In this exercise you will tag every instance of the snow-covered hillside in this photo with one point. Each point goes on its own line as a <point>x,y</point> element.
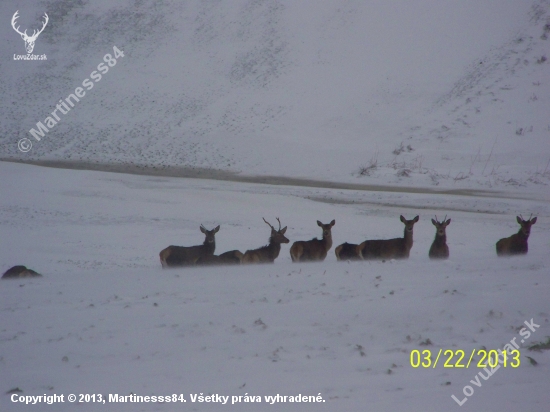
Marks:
<point>427,93</point>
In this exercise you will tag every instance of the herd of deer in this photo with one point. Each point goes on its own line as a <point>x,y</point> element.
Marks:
<point>316,250</point>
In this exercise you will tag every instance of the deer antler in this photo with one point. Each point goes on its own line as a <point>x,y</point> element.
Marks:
<point>437,221</point>
<point>13,19</point>
<point>34,34</point>
<point>24,34</point>
<point>272,228</point>
<point>279,224</point>
<point>445,218</point>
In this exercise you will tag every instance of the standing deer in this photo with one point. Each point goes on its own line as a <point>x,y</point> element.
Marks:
<point>398,248</point>
<point>187,256</point>
<point>314,249</point>
<point>269,253</point>
<point>439,248</point>
<point>29,40</point>
<point>347,251</point>
<point>516,244</point>
<point>233,257</point>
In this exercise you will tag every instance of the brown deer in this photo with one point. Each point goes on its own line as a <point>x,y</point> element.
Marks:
<point>516,244</point>
<point>187,256</point>
<point>269,253</point>
<point>398,248</point>
<point>439,248</point>
<point>347,251</point>
<point>314,249</point>
<point>233,257</point>
<point>20,271</point>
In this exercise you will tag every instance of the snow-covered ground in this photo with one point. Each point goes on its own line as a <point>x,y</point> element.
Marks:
<point>353,110</point>
<point>106,319</point>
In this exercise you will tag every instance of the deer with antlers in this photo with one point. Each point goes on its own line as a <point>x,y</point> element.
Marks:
<point>398,248</point>
<point>439,248</point>
<point>314,249</point>
<point>517,243</point>
<point>269,253</point>
<point>29,40</point>
<point>186,256</point>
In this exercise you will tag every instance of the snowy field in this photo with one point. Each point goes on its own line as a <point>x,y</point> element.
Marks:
<point>106,319</point>
<point>227,112</point>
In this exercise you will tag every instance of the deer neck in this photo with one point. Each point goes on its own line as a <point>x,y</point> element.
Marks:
<point>209,247</point>
<point>408,237</point>
<point>522,235</point>
<point>439,239</point>
<point>327,241</point>
<point>274,248</point>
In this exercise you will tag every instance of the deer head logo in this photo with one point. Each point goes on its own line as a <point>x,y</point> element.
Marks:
<point>29,40</point>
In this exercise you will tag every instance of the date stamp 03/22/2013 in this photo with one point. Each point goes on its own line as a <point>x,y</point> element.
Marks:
<point>456,358</point>
<point>508,356</point>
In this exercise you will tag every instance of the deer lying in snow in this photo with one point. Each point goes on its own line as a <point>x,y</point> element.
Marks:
<point>347,251</point>
<point>398,248</point>
<point>516,244</point>
<point>314,249</point>
<point>269,253</point>
<point>439,248</point>
<point>233,257</point>
<point>20,271</point>
<point>186,256</point>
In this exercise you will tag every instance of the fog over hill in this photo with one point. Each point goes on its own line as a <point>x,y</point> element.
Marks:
<point>432,93</point>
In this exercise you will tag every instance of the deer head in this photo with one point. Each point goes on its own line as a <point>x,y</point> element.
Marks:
<point>278,236</point>
<point>29,40</point>
<point>210,234</point>
<point>526,224</point>
<point>326,228</point>
<point>440,226</point>
<point>408,223</point>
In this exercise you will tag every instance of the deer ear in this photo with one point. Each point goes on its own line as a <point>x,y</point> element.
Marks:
<point>333,222</point>
<point>519,219</point>
<point>402,218</point>
<point>447,222</point>
<point>433,223</point>
<point>416,219</point>
<point>203,230</point>
<point>216,229</point>
<point>534,220</point>
<point>319,223</point>
<point>283,230</point>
